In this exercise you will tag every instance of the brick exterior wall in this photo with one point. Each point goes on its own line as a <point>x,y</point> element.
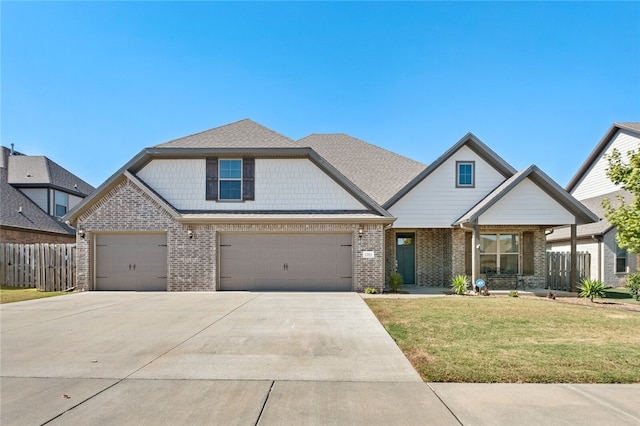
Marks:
<point>434,255</point>
<point>17,236</point>
<point>193,262</point>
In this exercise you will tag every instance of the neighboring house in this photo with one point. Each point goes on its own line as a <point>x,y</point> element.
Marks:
<point>590,185</point>
<point>36,193</point>
<point>241,207</point>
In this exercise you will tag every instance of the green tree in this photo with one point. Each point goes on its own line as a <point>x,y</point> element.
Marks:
<point>626,216</point>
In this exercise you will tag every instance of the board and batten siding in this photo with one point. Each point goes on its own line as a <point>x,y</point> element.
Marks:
<point>436,202</point>
<point>526,204</point>
<point>595,182</point>
<point>280,184</point>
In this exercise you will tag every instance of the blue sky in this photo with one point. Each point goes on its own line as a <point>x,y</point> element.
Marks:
<point>90,84</point>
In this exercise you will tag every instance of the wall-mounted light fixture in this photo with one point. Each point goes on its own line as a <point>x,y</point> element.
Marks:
<point>81,232</point>
<point>360,231</point>
<point>190,232</point>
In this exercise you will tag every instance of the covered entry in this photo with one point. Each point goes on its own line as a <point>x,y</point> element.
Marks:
<point>286,262</point>
<point>133,262</point>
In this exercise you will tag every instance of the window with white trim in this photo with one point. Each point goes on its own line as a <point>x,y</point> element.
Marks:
<point>465,174</point>
<point>621,260</point>
<point>230,179</point>
<point>499,253</point>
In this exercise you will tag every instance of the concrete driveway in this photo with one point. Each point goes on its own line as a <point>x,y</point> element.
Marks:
<point>206,358</point>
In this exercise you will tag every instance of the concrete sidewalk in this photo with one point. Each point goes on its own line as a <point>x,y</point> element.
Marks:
<point>247,359</point>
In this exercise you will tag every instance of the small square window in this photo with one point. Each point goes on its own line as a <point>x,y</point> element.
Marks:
<point>465,174</point>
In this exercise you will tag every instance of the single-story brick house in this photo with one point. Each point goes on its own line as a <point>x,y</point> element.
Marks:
<point>241,207</point>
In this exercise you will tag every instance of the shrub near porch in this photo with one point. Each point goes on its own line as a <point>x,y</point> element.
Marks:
<point>512,340</point>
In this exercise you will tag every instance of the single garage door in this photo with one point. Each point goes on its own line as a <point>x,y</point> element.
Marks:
<point>133,262</point>
<point>285,262</point>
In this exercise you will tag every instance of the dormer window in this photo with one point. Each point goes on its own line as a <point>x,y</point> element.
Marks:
<point>465,174</point>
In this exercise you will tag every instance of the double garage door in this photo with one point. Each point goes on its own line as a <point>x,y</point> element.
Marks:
<point>254,262</point>
<point>286,262</point>
<point>134,262</point>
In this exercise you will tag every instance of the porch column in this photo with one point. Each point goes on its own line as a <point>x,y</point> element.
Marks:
<point>475,254</point>
<point>573,276</point>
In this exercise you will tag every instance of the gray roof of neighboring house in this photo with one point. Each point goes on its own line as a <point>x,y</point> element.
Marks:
<point>600,148</point>
<point>18,211</point>
<point>544,182</point>
<point>378,172</point>
<point>241,134</point>
<point>39,171</point>
<point>598,228</point>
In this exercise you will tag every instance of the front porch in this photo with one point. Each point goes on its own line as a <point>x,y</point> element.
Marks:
<point>510,256</point>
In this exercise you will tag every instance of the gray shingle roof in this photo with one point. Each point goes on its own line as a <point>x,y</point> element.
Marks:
<point>31,170</point>
<point>241,134</point>
<point>18,211</point>
<point>378,172</point>
<point>598,228</point>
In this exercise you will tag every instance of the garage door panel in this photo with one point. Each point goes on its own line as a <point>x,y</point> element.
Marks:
<point>133,262</point>
<point>290,262</point>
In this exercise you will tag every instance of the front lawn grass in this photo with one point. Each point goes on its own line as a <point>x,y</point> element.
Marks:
<point>513,340</point>
<point>18,294</point>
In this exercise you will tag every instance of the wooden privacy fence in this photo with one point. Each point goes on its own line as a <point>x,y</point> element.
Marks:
<point>559,269</point>
<point>47,267</point>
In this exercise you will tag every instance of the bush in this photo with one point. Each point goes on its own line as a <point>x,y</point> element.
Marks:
<point>370,290</point>
<point>395,282</point>
<point>459,284</point>
<point>633,284</point>
<point>591,288</point>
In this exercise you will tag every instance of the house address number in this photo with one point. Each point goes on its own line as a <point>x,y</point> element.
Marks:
<point>368,254</point>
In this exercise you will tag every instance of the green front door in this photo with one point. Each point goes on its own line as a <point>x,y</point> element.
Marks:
<point>406,257</point>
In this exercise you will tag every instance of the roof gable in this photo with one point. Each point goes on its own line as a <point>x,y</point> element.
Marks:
<point>599,150</point>
<point>473,143</point>
<point>534,175</point>
<point>378,172</point>
<point>240,139</point>
<point>241,134</point>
